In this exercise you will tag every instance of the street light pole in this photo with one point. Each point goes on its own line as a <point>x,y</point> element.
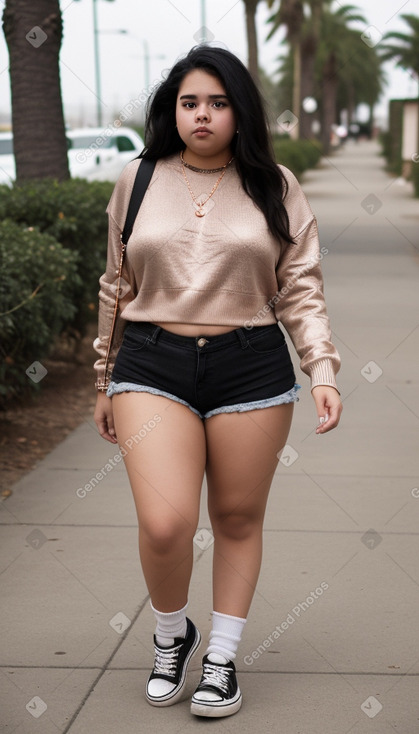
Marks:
<point>146,64</point>
<point>203,22</point>
<point>97,66</point>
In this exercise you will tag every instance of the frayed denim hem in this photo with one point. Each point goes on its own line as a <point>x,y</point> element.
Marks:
<point>118,387</point>
<point>287,397</point>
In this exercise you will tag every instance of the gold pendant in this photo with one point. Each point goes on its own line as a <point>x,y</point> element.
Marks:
<point>199,213</point>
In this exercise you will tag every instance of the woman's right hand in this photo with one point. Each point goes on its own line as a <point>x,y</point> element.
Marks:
<point>103,416</point>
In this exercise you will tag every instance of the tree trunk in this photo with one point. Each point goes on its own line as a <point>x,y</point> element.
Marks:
<point>296,92</point>
<point>252,43</point>
<point>308,65</point>
<point>330,86</point>
<point>371,122</point>
<point>308,62</point>
<point>350,105</point>
<point>33,32</point>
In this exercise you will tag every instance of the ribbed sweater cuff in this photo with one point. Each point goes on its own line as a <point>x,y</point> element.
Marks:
<point>322,373</point>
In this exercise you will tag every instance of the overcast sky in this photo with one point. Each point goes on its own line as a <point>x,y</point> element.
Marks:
<point>170,28</point>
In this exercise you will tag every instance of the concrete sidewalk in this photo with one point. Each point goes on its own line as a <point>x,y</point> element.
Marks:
<point>331,641</point>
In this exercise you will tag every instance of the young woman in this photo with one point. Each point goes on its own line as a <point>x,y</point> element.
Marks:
<point>224,246</point>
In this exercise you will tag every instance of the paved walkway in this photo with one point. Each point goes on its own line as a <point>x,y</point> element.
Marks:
<point>331,641</point>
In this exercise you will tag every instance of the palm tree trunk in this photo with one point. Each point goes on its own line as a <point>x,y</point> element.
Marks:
<point>350,101</point>
<point>308,63</point>
<point>296,93</point>
<point>252,43</point>
<point>371,123</point>
<point>329,96</point>
<point>33,32</point>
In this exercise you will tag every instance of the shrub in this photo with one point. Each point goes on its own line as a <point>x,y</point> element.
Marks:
<point>392,140</point>
<point>38,281</point>
<point>297,155</point>
<point>385,142</point>
<point>415,177</point>
<point>312,150</point>
<point>73,213</point>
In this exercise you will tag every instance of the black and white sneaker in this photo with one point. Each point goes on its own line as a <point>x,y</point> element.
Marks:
<point>168,677</point>
<point>218,693</point>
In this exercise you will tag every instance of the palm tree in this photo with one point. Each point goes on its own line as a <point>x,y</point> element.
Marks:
<point>346,71</point>
<point>33,32</point>
<point>252,43</point>
<point>361,77</point>
<point>332,58</point>
<point>291,15</point>
<point>303,20</point>
<point>406,52</point>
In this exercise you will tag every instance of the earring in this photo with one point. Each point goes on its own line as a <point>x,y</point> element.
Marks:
<point>237,132</point>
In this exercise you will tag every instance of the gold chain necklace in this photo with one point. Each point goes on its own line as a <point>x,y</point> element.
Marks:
<point>201,204</point>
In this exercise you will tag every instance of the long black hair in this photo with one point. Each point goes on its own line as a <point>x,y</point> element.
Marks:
<point>260,176</point>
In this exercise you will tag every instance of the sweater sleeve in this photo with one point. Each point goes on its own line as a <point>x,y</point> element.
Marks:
<point>116,210</point>
<point>300,305</point>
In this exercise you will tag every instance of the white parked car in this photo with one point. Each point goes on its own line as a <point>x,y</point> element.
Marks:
<point>100,154</point>
<point>95,154</point>
<point>7,159</point>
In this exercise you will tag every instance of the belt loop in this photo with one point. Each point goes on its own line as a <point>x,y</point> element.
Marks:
<point>242,338</point>
<point>155,334</point>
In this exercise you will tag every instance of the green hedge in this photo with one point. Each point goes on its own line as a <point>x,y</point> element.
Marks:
<point>385,142</point>
<point>73,212</point>
<point>38,283</point>
<point>415,178</point>
<point>392,139</point>
<point>297,155</point>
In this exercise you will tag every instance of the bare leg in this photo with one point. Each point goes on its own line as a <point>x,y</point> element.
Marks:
<point>242,456</point>
<point>165,470</point>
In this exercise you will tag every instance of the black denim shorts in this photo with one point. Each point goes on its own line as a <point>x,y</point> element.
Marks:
<point>240,370</point>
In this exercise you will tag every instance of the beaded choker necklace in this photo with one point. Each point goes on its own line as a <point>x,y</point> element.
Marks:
<point>203,170</point>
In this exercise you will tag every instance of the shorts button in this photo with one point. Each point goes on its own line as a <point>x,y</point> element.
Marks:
<point>202,342</point>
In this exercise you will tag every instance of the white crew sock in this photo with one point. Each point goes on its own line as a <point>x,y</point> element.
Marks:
<point>169,626</point>
<point>225,636</point>
<point>223,643</point>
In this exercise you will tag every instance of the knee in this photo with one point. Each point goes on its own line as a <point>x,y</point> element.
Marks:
<point>237,526</point>
<point>166,536</point>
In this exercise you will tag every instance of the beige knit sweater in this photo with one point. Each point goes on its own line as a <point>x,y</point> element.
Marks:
<point>222,269</point>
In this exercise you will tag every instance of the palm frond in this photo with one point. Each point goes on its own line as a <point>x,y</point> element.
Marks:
<point>403,48</point>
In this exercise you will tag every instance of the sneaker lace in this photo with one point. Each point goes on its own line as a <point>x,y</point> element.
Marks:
<point>165,662</point>
<point>214,675</point>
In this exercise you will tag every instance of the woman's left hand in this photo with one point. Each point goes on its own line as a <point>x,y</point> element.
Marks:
<point>328,406</point>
